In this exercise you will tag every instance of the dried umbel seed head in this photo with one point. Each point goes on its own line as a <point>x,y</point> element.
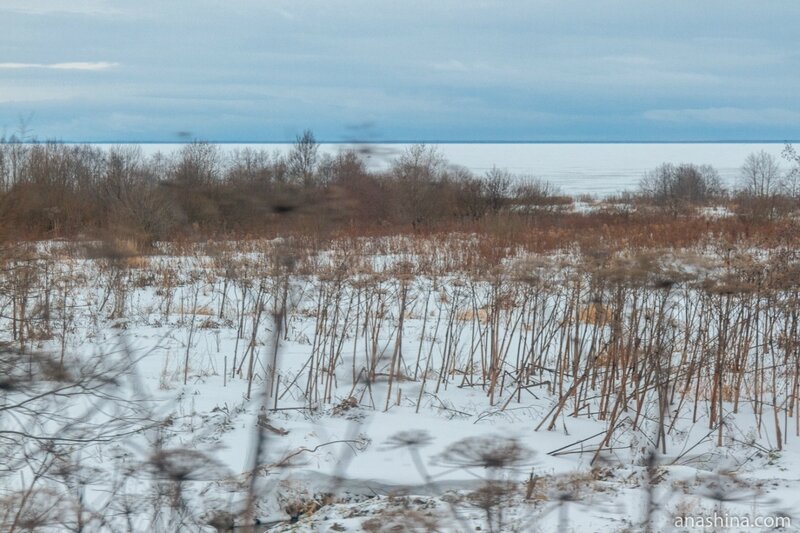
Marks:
<point>492,453</point>
<point>408,439</point>
<point>492,494</point>
<point>185,465</point>
<point>18,372</point>
<point>725,489</point>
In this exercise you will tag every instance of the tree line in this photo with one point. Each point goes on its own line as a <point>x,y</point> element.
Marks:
<point>52,189</point>
<point>55,190</point>
<point>764,188</point>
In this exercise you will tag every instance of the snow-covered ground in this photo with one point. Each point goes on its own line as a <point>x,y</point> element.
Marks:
<point>349,444</point>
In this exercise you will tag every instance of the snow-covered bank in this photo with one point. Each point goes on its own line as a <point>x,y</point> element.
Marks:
<point>555,393</point>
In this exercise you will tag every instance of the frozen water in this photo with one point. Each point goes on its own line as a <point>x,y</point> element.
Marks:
<point>576,168</point>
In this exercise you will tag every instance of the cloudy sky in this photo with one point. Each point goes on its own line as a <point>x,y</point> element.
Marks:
<point>370,70</point>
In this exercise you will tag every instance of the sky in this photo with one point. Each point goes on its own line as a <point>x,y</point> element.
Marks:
<point>414,71</point>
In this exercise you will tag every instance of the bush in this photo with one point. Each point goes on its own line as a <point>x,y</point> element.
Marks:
<point>677,186</point>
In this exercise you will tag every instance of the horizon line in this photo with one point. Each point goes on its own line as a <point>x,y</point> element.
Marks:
<point>423,141</point>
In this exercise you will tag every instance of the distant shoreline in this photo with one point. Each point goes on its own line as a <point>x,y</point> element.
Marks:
<point>428,142</point>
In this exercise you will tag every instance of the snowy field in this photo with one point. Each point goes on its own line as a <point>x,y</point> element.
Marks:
<point>591,168</point>
<point>389,391</point>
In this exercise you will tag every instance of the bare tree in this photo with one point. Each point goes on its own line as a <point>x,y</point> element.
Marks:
<point>791,182</point>
<point>134,203</point>
<point>761,174</point>
<point>199,163</point>
<point>675,186</point>
<point>195,177</point>
<point>416,174</point>
<point>531,191</point>
<point>303,158</point>
<point>497,187</point>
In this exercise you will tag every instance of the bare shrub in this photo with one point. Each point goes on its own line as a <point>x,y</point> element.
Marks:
<point>678,186</point>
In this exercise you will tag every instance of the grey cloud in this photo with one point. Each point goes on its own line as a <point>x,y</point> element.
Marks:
<point>726,115</point>
<point>465,69</point>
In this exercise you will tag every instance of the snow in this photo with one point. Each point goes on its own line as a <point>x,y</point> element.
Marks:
<point>350,447</point>
<point>576,168</point>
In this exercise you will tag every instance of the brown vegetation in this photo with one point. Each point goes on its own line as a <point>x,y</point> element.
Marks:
<point>53,190</point>
<point>654,315</point>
